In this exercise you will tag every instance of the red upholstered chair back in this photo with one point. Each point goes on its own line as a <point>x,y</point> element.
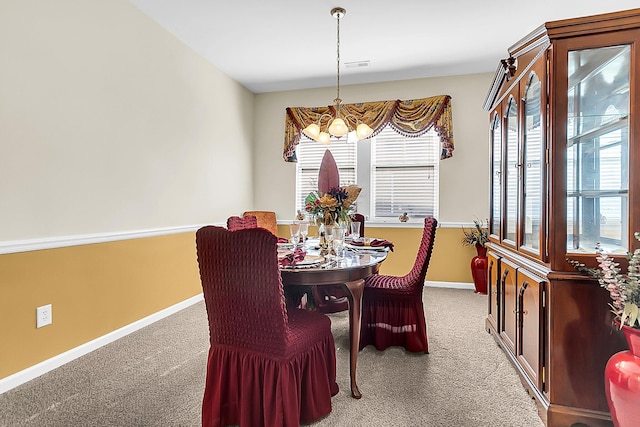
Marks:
<point>418,273</point>
<point>241,223</point>
<point>242,288</point>
<point>356,217</point>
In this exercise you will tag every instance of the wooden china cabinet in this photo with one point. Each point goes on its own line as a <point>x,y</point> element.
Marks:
<point>565,143</point>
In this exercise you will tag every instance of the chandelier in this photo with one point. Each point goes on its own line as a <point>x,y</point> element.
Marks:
<point>337,126</point>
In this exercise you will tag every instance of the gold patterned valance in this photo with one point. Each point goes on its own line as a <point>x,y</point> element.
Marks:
<point>410,118</point>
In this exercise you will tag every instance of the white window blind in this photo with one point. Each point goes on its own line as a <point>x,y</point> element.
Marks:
<point>404,175</point>
<point>310,153</point>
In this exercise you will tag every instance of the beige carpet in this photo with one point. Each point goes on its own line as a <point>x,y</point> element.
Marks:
<point>155,377</point>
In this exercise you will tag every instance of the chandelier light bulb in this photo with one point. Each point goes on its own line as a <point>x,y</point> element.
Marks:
<point>363,131</point>
<point>338,127</point>
<point>324,138</point>
<point>312,131</point>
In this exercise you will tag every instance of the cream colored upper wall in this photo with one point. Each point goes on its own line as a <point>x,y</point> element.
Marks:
<point>464,179</point>
<point>109,123</point>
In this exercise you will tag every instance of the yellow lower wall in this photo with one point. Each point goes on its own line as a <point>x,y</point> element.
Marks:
<point>94,289</point>
<point>98,288</point>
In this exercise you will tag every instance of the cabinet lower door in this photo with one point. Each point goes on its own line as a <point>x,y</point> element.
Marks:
<point>508,328</point>
<point>530,316</point>
<point>493,290</point>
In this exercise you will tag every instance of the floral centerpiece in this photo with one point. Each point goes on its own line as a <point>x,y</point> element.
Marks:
<point>331,203</point>
<point>333,206</point>
<point>624,289</point>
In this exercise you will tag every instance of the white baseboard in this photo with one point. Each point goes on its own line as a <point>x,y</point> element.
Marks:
<point>45,366</point>
<point>454,285</point>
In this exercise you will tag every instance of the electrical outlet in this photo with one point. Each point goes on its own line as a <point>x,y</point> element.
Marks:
<point>43,316</point>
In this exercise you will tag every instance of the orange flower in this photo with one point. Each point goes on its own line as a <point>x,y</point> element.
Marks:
<point>327,201</point>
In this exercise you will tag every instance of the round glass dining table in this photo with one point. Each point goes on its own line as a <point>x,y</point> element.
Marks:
<point>350,269</point>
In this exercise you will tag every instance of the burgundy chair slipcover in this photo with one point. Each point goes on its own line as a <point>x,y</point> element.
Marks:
<point>240,223</point>
<point>267,366</point>
<point>333,299</point>
<point>392,308</point>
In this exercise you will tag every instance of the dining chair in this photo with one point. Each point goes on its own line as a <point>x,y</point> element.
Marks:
<point>267,364</point>
<point>266,219</point>
<point>240,223</point>
<point>392,308</point>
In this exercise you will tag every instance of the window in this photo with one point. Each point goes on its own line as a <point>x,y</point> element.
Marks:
<point>397,174</point>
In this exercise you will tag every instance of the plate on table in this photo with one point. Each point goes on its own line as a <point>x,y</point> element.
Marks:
<point>283,251</point>
<point>310,260</point>
<point>365,246</point>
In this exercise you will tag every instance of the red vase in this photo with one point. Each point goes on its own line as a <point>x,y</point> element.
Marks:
<point>479,270</point>
<point>622,382</point>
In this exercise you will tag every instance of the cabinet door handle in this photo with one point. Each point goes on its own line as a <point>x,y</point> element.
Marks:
<point>519,302</point>
<point>494,286</point>
<point>504,276</point>
<point>503,279</point>
<point>523,288</point>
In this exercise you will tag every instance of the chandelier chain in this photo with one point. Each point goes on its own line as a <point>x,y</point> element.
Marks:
<point>338,100</point>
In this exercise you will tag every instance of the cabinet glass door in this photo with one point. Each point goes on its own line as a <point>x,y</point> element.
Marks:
<point>496,176</point>
<point>532,165</point>
<point>512,170</point>
<point>598,149</point>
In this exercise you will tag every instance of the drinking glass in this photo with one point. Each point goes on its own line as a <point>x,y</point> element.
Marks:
<point>328,235</point>
<point>294,228</point>
<point>338,241</point>
<point>355,230</point>
<point>304,231</point>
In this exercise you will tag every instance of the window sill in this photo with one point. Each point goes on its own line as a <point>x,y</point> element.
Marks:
<point>414,224</point>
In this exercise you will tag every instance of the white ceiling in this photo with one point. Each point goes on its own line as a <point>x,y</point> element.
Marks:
<point>276,45</point>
